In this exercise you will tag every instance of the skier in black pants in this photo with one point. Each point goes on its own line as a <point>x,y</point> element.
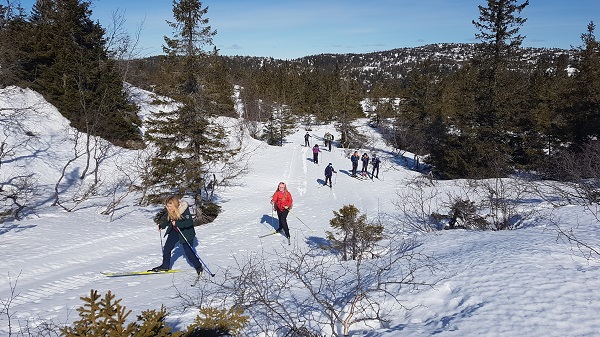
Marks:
<point>329,171</point>
<point>316,151</point>
<point>375,162</point>
<point>306,142</point>
<point>365,164</point>
<point>354,159</point>
<point>180,229</point>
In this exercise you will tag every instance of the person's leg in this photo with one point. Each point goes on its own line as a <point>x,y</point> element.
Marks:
<point>283,222</point>
<point>170,243</point>
<point>279,217</point>
<point>191,256</point>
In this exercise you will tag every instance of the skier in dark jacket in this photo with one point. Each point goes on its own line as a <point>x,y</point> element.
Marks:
<point>306,142</point>
<point>375,162</point>
<point>365,164</point>
<point>180,228</point>
<point>354,159</point>
<point>329,171</point>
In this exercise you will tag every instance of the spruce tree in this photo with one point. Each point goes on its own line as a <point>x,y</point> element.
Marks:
<point>583,104</point>
<point>13,29</point>
<point>480,143</point>
<point>353,235</point>
<point>188,141</point>
<point>67,61</point>
<point>496,100</point>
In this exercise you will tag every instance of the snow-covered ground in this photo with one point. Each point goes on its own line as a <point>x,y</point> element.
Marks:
<point>525,282</point>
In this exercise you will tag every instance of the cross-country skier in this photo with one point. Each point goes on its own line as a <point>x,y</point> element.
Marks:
<point>365,164</point>
<point>282,202</point>
<point>375,162</point>
<point>329,171</point>
<point>180,228</point>
<point>354,159</point>
<point>316,151</point>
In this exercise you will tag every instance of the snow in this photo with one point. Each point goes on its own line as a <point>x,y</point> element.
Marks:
<point>524,282</point>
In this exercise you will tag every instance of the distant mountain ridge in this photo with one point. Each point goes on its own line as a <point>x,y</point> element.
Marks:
<point>387,64</point>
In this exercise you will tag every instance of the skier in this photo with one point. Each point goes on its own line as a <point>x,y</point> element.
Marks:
<point>329,141</point>
<point>375,162</point>
<point>365,164</point>
<point>282,202</point>
<point>306,142</point>
<point>316,151</point>
<point>354,159</point>
<point>329,171</point>
<point>180,228</point>
<point>326,138</point>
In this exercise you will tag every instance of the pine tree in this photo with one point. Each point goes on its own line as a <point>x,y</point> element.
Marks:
<point>13,29</point>
<point>496,89</point>
<point>583,105</point>
<point>189,144</point>
<point>67,61</point>
<point>497,103</point>
<point>353,236</point>
<point>216,322</point>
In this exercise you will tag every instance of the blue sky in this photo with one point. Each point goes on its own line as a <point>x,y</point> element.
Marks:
<point>288,29</point>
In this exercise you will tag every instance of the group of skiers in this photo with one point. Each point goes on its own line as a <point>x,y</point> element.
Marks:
<point>177,219</point>
<point>327,138</point>
<point>355,159</point>
<point>375,161</point>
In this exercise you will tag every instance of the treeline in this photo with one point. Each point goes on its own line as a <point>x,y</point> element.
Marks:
<point>471,110</point>
<point>61,53</point>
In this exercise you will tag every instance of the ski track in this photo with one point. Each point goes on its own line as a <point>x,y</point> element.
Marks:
<point>135,247</point>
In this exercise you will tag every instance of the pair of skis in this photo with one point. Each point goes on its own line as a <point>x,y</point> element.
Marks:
<point>150,272</point>
<point>273,233</point>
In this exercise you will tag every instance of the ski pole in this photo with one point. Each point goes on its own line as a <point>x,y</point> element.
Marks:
<point>294,214</point>
<point>192,248</point>
<point>162,247</point>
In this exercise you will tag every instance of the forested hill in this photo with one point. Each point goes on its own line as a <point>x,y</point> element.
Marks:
<point>386,65</point>
<point>381,67</point>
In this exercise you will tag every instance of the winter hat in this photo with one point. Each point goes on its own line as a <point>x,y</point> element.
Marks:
<point>329,164</point>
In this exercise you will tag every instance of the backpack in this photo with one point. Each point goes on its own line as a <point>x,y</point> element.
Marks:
<point>161,216</point>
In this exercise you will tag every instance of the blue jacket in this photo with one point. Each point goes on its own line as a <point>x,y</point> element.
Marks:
<point>329,170</point>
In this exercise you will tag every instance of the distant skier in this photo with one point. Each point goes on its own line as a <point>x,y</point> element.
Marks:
<point>282,202</point>
<point>180,228</point>
<point>365,164</point>
<point>354,159</point>
<point>329,171</point>
<point>316,151</point>
<point>326,138</point>
<point>329,141</point>
<point>375,162</point>
<point>306,142</point>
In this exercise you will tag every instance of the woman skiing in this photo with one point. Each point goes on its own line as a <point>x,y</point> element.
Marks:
<point>316,151</point>
<point>180,228</point>
<point>365,164</point>
<point>282,202</point>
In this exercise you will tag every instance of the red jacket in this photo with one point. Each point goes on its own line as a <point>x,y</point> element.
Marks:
<point>282,199</point>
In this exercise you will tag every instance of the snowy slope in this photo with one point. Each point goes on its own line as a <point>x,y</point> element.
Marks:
<point>526,282</point>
